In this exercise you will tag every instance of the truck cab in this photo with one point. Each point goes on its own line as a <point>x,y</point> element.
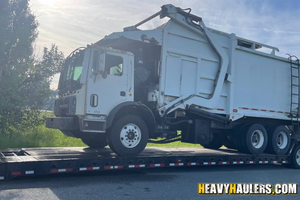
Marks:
<point>94,81</point>
<point>101,88</point>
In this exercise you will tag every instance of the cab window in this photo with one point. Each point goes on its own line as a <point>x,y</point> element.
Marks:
<point>114,65</point>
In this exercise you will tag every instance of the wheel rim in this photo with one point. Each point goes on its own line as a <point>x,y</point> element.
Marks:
<point>257,139</point>
<point>282,140</point>
<point>130,135</point>
<point>298,157</point>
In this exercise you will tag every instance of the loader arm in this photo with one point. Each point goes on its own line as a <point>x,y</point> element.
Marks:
<point>195,24</point>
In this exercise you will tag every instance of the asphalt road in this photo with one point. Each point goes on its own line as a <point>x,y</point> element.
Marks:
<point>163,183</point>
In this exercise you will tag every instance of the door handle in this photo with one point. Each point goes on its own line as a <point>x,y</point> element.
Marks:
<point>123,93</point>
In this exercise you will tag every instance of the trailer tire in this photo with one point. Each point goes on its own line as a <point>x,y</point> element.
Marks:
<point>279,140</point>
<point>131,142</point>
<point>295,156</point>
<point>98,142</point>
<point>255,139</point>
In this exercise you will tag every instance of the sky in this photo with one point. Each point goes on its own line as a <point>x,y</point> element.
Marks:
<point>75,23</point>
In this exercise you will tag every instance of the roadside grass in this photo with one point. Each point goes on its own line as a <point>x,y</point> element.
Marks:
<point>40,136</point>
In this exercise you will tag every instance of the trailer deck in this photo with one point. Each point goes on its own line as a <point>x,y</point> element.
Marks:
<point>41,161</point>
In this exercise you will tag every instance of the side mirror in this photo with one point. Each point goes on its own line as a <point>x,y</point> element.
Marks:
<point>98,62</point>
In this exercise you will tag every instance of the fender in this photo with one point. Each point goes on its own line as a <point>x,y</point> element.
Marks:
<point>131,107</point>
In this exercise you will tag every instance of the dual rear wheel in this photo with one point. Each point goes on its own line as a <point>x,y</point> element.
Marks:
<point>279,140</point>
<point>255,139</point>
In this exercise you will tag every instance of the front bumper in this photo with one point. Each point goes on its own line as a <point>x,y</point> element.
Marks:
<point>62,123</point>
<point>73,123</point>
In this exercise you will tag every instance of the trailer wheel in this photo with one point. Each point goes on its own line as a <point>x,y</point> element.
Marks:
<point>296,157</point>
<point>279,140</point>
<point>98,142</point>
<point>128,136</point>
<point>255,139</point>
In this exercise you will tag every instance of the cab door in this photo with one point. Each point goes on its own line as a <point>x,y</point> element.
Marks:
<point>113,86</point>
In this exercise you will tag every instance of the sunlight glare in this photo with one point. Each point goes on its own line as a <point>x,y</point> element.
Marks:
<point>48,2</point>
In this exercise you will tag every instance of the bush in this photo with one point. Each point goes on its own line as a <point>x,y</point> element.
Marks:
<point>24,135</point>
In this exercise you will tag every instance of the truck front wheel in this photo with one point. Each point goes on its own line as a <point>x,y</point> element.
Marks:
<point>128,136</point>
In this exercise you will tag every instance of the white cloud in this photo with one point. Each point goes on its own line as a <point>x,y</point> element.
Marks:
<point>74,23</point>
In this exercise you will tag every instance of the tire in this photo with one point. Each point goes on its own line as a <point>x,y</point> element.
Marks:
<point>128,136</point>
<point>296,157</point>
<point>236,141</point>
<point>95,142</point>
<point>255,139</point>
<point>241,145</point>
<point>279,140</point>
<point>216,142</point>
<point>109,142</point>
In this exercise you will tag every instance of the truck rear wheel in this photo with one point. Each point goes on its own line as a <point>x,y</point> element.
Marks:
<point>254,139</point>
<point>240,138</point>
<point>128,136</point>
<point>279,140</point>
<point>95,142</point>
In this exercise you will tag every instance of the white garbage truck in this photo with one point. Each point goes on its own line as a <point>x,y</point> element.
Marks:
<point>179,81</point>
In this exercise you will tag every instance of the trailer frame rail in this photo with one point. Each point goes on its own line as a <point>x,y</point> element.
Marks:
<point>42,161</point>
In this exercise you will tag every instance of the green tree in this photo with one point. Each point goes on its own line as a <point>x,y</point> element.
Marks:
<point>24,81</point>
<point>40,74</point>
<point>18,30</point>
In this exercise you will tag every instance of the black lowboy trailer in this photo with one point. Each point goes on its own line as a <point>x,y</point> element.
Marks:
<point>42,161</point>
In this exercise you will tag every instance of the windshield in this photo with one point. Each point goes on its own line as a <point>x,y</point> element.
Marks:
<point>71,73</point>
